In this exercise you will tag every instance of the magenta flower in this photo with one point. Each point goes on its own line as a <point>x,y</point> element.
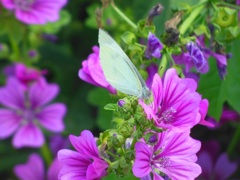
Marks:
<point>86,163</point>
<point>154,46</point>
<point>175,102</point>
<point>173,156</point>
<point>34,169</point>
<point>24,110</point>
<point>203,112</point>
<point>92,72</point>
<point>35,11</point>
<point>23,73</point>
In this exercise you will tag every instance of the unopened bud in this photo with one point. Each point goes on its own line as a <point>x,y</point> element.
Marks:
<point>155,11</point>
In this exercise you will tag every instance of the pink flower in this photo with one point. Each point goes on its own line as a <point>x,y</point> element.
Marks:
<point>175,102</point>
<point>203,111</point>
<point>35,11</point>
<point>173,156</point>
<point>26,109</point>
<point>92,72</point>
<point>86,163</point>
<point>23,73</point>
<point>34,169</point>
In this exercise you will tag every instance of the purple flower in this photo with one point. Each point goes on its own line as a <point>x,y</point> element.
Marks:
<point>86,163</point>
<point>121,103</point>
<point>58,142</point>
<point>175,102</point>
<point>35,11</point>
<point>173,157</point>
<point>151,70</point>
<point>184,59</point>
<point>154,47</point>
<point>197,57</point>
<point>92,72</point>
<point>24,74</point>
<point>220,58</point>
<point>26,108</point>
<point>34,169</point>
<point>214,166</point>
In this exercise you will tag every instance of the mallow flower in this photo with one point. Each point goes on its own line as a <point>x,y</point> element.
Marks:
<point>86,162</point>
<point>175,102</point>
<point>25,109</point>
<point>35,11</point>
<point>154,46</point>
<point>172,157</point>
<point>24,74</point>
<point>92,72</point>
<point>34,169</point>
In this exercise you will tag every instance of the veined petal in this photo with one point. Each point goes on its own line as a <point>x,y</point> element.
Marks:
<point>203,112</point>
<point>12,95</point>
<point>42,94</point>
<point>53,170</point>
<point>28,135</point>
<point>157,90</point>
<point>142,164</point>
<point>74,165</point>
<point>97,169</point>
<point>9,122</point>
<point>85,143</point>
<point>51,117</point>
<point>33,169</point>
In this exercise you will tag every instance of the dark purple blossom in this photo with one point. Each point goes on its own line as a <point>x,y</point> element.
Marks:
<point>197,57</point>
<point>154,46</point>
<point>121,103</point>
<point>25,109</point>
<point>86,163</point>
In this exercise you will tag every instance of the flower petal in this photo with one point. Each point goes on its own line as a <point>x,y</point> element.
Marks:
<point>33,169</point>
<point>74,165</point>
<point>51,117</point>
<point>28,135</point>
<point>9,122</point>
<point>53,170</point>
<point>42,94</point>
<point>97,169</point>
<point>85,143</point>
<point>203,111</point>
<point>9,4</point>
<point>224,168</point>
<point>142,166</point>
<point>12,95</point>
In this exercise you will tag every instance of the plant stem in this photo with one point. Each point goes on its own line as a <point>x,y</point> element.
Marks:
<point>163,64</point>
<point>120,13</point>
<point>222,3</point>
<point>46,154</point>
<point>189,20</point>
<point>235,140</point>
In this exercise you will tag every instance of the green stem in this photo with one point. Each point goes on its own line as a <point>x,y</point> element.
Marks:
<point>120,13</point>
<point>235,141</point>
<point>14,46</point>
<point>222,3</point>
<point>163,64</point>
<point>46,154</point>
<point>189,20</point>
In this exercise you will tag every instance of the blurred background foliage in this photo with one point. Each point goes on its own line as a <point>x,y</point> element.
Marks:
<point>77,32</point>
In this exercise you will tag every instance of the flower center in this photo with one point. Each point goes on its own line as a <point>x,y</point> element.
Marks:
<point>167,116</point>
<point>162,162</point>
<point>24,4</point>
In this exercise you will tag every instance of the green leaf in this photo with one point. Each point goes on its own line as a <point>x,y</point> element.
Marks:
<point>214,89</point>
<point>233,77</point>
<point>112,176</point>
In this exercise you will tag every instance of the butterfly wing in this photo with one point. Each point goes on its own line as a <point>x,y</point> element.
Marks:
<point>117,67</point>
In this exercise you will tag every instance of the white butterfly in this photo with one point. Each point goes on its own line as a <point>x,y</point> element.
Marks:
<point>118,68</point>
